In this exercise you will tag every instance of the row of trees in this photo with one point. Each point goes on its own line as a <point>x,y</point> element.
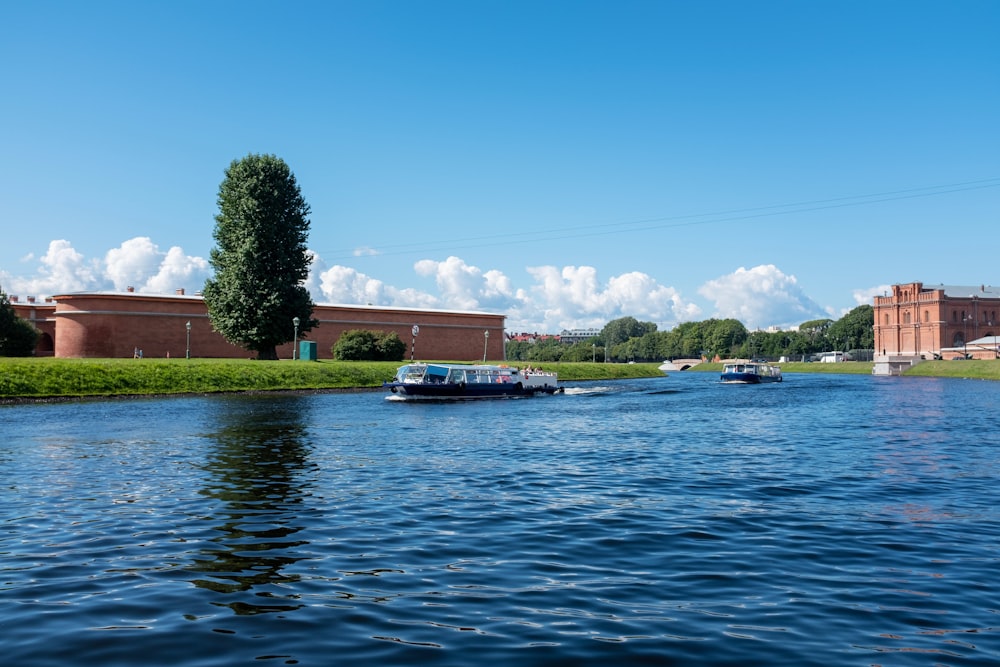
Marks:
<point>627,339</point>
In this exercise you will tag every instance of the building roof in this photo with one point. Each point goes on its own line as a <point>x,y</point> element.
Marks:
<point>968,291</point>
<point>199,297</point>
<point>986,341</point>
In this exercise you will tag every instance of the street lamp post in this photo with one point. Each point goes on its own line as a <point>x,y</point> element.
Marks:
<point>486,343</point>
<point>295,336</point>
<point>593,356</point>
<point>413,341</point>
<point>188,327</point>
<point>965,336</point>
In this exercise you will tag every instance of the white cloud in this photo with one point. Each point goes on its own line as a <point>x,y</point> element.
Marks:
<point>467,287</point>
<point>365,251</point>
<point>179,270</point>
<point>573,297</point>
<point>760,297</point>
<point>139,263</point>
<point>132,262</point>
<point>61,269</point>
<point>342,284</point>
<point>866,297</point>
<point>552,299</point>
<point>570,297</point>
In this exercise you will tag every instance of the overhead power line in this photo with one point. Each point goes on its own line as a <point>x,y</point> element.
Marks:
<point>513,237</point>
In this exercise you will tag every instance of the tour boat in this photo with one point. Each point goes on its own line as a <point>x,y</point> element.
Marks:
<point>416,381</point>
<point>750,372</point>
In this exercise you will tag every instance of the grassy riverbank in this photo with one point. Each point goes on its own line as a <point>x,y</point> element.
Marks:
<point>42,378</point>
<point>37,378</point>
<point>973,369</point>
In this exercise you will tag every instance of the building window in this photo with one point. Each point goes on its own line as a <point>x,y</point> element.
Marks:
<point>906,318</point>
<point>927,316</point>
<point>887,319</point>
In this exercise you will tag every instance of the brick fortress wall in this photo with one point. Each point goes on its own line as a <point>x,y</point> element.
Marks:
<point>116,324</point>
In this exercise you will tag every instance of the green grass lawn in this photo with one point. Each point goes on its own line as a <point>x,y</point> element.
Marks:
<point>55,378</point>
<point>972,368</point>
<point>37,378</point>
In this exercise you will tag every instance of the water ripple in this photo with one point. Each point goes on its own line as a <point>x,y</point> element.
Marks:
<point>671,521</point>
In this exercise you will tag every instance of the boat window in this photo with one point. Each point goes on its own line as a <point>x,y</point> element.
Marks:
<point>411,373</point>
<point>435,374</point>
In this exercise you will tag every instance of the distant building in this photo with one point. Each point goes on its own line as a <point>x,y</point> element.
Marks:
<point>531,337</point>
<point>940,321</point>
<point>571,336</point>
<point>118,324</point>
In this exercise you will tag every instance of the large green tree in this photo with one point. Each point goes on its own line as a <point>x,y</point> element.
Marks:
<point>855,330</point>
<point>261,260</point>
<point>17,336</point>
<point>624,328</point>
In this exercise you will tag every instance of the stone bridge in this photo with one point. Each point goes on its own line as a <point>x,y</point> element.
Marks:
<point>679,364</point>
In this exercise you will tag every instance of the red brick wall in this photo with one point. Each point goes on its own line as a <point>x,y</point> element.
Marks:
<point>116,324</point>
<point>914,320</point>
<point>41,317</point>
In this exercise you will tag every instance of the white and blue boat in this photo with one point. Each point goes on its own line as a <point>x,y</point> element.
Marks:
<point>750,372</point>
<point>429,381</point>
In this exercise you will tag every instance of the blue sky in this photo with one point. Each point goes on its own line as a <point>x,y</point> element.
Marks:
<point>565,163</point>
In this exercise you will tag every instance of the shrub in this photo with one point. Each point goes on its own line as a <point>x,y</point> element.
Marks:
<point>365,345</point>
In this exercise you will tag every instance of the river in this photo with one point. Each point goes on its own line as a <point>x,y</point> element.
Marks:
<point>826,520</point>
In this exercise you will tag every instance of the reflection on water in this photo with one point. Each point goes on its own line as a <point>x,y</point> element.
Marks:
<point>258,469</point>
<point>822,521</point>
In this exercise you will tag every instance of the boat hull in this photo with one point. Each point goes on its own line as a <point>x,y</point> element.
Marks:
<point>748,378</point>
<point>462,391</point>
<point>451,382</point>
<point>752,372</point>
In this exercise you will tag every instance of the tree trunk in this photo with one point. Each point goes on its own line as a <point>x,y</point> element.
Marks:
<point>268,354</point>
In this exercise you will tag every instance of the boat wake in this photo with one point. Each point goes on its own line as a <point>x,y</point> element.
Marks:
<point>587,391</point>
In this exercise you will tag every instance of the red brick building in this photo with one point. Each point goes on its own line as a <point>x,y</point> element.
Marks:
<point>40,314</point>
<point>117,324</point>
<point>945,320</point>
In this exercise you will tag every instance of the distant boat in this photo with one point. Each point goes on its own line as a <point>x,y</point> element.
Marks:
<point>750,372</point>
<point>426,381</point>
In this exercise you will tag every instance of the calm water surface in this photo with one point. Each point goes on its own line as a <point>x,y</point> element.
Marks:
<point>828,520</point>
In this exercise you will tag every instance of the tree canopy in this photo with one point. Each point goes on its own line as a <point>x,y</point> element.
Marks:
<point>261,260</point>
<point>17,336</point>
<point>726,338</point>
<point>624,328</point>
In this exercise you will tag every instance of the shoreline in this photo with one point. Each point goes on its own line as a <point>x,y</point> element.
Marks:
<point>18,400</point>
